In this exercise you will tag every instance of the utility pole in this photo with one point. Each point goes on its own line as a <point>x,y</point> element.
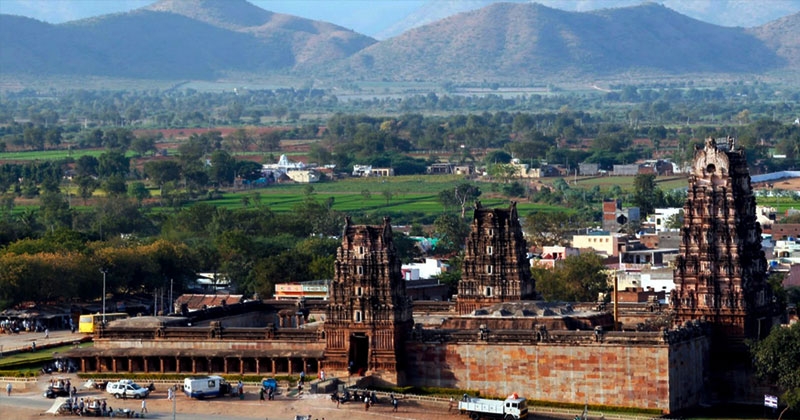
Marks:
<point>104,271</point>
<point>171,302</point>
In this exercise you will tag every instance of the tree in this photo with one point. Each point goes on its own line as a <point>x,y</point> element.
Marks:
<point>86,187</point>
<point>240,140</point>
<point>674,221</point>
<point>138,191</point>
<point>577,279</point>
<point>114,186</point>
<point>459,196</point>
<point>270,141</point>
<point>144,144</point>
<point>387,195</point>
<point>223,168</point>
<point>113,163</point>
<point>86,165</point>
<point>451,231</point>
<point>162,171</point>
<point>777,359</point>
<point>551,228</point>
<point>503,171</point>
<point>249,170</point>
<point>646,193</point>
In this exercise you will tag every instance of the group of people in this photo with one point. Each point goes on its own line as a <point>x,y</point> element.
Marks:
<point>268,392</point>
<point>371,399</point>
<point>88,406</point>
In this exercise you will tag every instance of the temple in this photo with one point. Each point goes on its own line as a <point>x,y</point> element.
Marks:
<point>495,267</point>
<point>721,272</point>
<point>369,315</point>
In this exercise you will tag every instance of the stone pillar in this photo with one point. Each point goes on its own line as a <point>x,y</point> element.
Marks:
<point>274,367</point>
<point>83,364</point>
<point>258,366</point>
<point>145,363</point>
<point>161,364</point>
<point>210,368</point>
<point>194,364</point>
<point>97,366</point>
<point>224,365</point>
<point>305,365</point>
<point>241,366</point>
<point>178,364</point>
<point>130,364</point>
<point>289,359</point>
<point>114,364</point>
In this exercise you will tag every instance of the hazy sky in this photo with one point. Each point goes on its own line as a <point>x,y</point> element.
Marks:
<point>363,16</point>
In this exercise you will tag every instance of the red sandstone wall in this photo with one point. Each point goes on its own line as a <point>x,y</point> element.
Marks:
<point>646,376</point>
<point>688,361</point>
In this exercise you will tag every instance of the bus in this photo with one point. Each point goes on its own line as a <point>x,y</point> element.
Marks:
<point>87,323</point>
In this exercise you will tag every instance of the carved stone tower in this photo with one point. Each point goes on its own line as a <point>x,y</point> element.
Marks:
<point>369,314</point>
<point>495,267</point>
<point>721,272</point>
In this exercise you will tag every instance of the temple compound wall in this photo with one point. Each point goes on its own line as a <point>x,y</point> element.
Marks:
<point>212,349</point>
<point>658,370</point>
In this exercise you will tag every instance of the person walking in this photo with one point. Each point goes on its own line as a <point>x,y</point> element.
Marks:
<point>8,389</point>
<point>170,393</point>
<point>394,405</point>
<point>46,333</point>
<point>366,403</point>
<point>144,406</point>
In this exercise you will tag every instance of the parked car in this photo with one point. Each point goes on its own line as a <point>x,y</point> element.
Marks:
<point>126,388</point>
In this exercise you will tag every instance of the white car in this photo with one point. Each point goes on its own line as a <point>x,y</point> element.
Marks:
<point>127,389</point>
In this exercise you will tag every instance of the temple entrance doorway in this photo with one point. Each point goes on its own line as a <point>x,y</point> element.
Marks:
<point>359,352</point>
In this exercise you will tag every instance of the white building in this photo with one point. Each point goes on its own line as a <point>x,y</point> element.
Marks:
<point>659,219</point>
<point>420,271</point>
<point>296,171</point>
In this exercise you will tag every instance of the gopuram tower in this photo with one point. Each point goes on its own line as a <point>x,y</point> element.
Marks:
<point>495,267</point>
<point>721,272</point>
<point>369,314</point>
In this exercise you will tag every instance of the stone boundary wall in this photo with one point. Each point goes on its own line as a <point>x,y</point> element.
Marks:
<point>661,370</point>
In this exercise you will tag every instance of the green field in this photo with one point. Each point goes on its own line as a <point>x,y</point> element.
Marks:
<point>51,154</point>
<point>417,194</point>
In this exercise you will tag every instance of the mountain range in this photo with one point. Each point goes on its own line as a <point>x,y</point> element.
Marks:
<point>209,39</point>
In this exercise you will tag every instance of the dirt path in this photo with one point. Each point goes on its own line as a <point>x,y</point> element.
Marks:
<point>30,404</point>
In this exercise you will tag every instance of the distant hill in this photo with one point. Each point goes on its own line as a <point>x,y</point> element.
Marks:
<point>201,39</point>
<point>517,41</point>
<point>783,36</point>
<point>720,12</point>
<point>310,41</point>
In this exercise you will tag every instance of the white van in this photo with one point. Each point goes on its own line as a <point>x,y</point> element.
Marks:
<point>126,388</point>
<point>206,387</point>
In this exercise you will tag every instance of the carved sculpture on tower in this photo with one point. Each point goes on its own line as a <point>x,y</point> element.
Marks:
<point>721,271</point>
<point>369,314</point>
<point>495,267</point>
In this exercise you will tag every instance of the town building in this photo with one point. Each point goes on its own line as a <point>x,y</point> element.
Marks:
<point>616,218</point>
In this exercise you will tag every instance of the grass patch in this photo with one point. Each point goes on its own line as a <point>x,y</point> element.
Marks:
<point>25,360</point>
<point>26,155</point>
